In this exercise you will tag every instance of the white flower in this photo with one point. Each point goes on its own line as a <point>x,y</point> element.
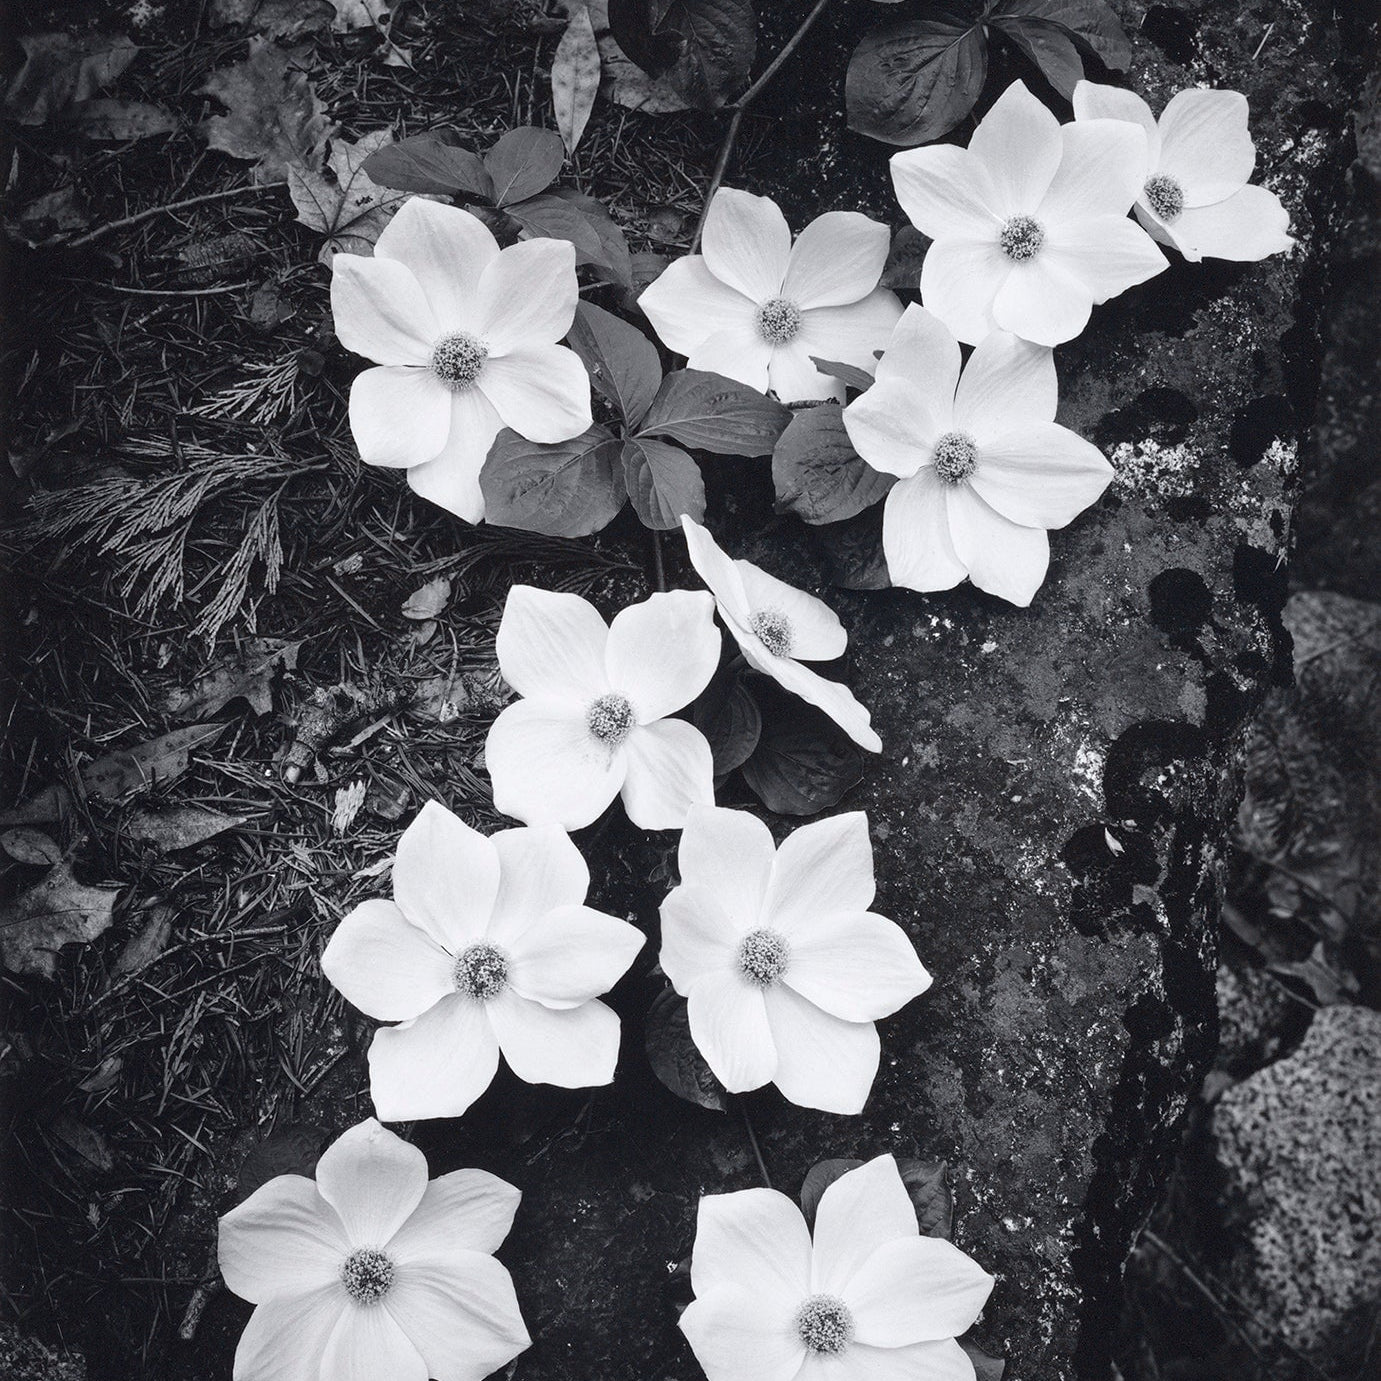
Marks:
<point>593,724</point>
<point>774,624</point>
<point>486,948</point>
<point>984,467</point>
<point>783,966</point>
<point>1029,222</point>
<point>1195,195</point>
<point>371,1271</point>
<point>754,307</point>
<point>869,1300</point>
<point>464,336</point>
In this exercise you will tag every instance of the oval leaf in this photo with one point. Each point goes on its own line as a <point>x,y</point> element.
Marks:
<point>926,1181</point>
<point>622,361</point>
<point>1091,23</point>
<point>854,551</point>
<point>523,162</point>
<point>819,1178</point>
<point>613,256</point>
<point>674,1058</point>
<point>849,375</point>
<point>716,414</point>
<point>804,762</point>
<point>702,48</point>
<point>728,716</point>
<point>817,473</point>
<point>575,77</point>
<point>26,845</point>
<point>663,482</point>
<point>550,217</point>
<point>430,162</point>
<point>569,489</point>
<point>1049,47</point>
<point>985,1368</point>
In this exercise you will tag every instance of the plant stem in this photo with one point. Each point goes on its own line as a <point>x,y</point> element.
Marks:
<point>657,561</point>
<point>111,226</point>
<point>753,1142</point>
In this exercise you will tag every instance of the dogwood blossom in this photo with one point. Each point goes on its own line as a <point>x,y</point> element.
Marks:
<point>593,721</point>
<point>754,307</point>
<point>774,625</point>
<point>372,1271</point>
<point>463,334</point>
<point>984,468</point>
<point>869,1298</point>
<point>784,967</point>
<point>486,948</point>
<point>1029,222</point>
<point>1195,193</point>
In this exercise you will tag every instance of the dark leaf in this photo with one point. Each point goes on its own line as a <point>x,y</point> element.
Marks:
<point>56,911</point>
<point>31,846</point>
<point>622,361</point>
<point>817,473</point>
<point>173,827</point>
<point>1091,22</point>
<point>61,70</point>
<point>663,483</point>
<point>550,217</point>
<point>274,18</point>
<point>985,1368</point>
<point>84,1141</point>
<point>569,489</point>
<point>674,1058</point>
<point>290,1150</point>
<point>147,943</point>
<point>728,716</point>
<point>912,82</point>
<point>819,1178</point>
<point>1049,47</point>
<point>247,674</point>
<point>702,48</point>
<point>431,162</point>
<point>121,120</point>
<point>926,1181</point>
<point>716,414</point>
<point>613,256</point>
<point>854,551</point>
<point>131,770</point>
<point>902,272</point>
<point>850,375</point>
<point>523,162</point>
<point>804,762</point>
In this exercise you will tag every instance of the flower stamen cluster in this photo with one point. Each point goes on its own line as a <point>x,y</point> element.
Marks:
<point>1021,238</point>
<point>1164,196</point>
<point>956,457</point>
<point>825,1324</point>
<point>481,972</point>
<point>457,360</point>
<point>611,719</point>
<point>367,1274</point>
<point>773,629</point>
<point>779,320</point>
<point>763,956</point>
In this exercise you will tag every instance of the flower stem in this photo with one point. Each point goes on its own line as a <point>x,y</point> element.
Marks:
<point>658,563</point>
<point>753,1142</point>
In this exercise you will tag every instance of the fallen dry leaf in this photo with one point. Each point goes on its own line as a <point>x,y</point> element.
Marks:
<point>274,18</point>
<point>178,827</point>
<point>85,1141</point>
<point>131,770</point>
<point>54,912</point>
<point>358,14</point>
<point>121,120</point>
<point>62,70</point>
<point>247,674</point>
<point>30,846</point>
<point>147,943</point>
<point>575,74</point>
<point>429,600</point>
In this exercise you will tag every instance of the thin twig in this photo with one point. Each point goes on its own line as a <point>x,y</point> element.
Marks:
<point>112,226</point>
<point>753,1142</point>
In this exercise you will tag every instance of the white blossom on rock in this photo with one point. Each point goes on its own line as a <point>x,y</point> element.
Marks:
<point>868,1299</point>
<point>783,966</point>
<point>777,627</point>
<point>371,1270</point>
<point>487,948</point>
<point>983,467</point>
<point>464,338</point>
<point>1196,193</point>
<point>754,307</point>
<point>1029,222</point>
<point>593,721</point>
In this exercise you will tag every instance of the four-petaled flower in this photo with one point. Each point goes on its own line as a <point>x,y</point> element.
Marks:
<point>869,1299</point>
<point>754,307</point>
<point>1029,222</point>
<point>1195,194</point>
<point>371,1271</point>
<point>985,469</point>
<point>464,336</point>
<point>783,966</point>
<point>486,948</point>
<point>774,625</point>
<point>593,724</point>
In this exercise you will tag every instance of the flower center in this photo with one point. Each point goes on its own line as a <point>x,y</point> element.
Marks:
<point>481,972</point>
<point>610,719</point>
<point>1021,239</point>
<point>779,320</point>
<point>457,360</point>
<point>773,630</point>
<point>956,457</point>
<point>825,1324</point>
<point>762,957</point>
<point>1164,196</point>
<point>367,1274</point>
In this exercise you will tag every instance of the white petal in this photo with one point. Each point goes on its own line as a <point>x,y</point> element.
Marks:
<point>716,569</point>
<point>527,296</point>
<point>736,1335</point>
<point>858,1213</point>
<point>916,1290</point>
<point>1043,302</point>
<point>384,965</point>
<point>452,479</point>
<point>1041,476</point>
<point>1205,144</point>
<point>853,333</point>
<point>575,1047</point>
<point>816,633</point>
<point>380,311</point>
<point>728,854</point>
<point>1105,255</point>
<point>285,1239</point>
<point>670,769</point>
<point>915,534</point>
<point>461,1313</point>
<point>795,378</point>
<point>1017,143</point>
<point>737,352</point>
<point>1250,225</point>
<point>945,192</point>
<point>1101,173</point>
<point>1001,557</point>
<point>468,1210</point>
<point>367,1345</point>
<point>546,768</point>
<point>1095,102</point>
<point>747,243</point>
<point>571,955</point>
<point>892,429</point>
<point>400,415</point>
<point>960,280</point>
<point>836,700</point>
<point>687,304</point>
<point>445,877</point>
<point>434,1066</point>
<point>822,1062</point>
<point>855,965</point>
<point>374,1180</point>
<point>539,870</point>
<point>285,1337</point>
<point>662,651</point>
<point>698,934</point>
<point>924,354</point>
<point>754,1242</point>
<point>826,865</point>
<point>1008,384</point>
<point>552,643</point>
<point>728,1023</point>
<point>541,391</point>
<point>837,258</point>
<point>447,250</point>
<point>941,1361</point>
